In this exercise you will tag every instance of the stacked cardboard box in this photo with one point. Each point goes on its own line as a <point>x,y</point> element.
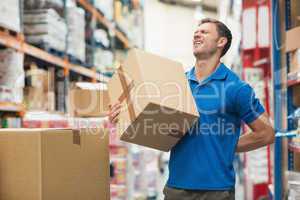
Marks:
<point>88,100</point>
<point>41,164</point>
<point>157,104</point>
<point>10,14</point>
<point>11,76</point>
<point>45,27</point>
<point>76,35</point>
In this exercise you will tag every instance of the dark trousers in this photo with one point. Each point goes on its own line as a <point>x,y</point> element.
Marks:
<point>180,194</point>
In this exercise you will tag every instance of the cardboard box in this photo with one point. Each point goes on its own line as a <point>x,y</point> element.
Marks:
<point>48,164</point>
<point>35,98</point>
<point>12,68</point>
<point>37,78</point>
<point>293,46</point>
<point>295,13</point>
<point>292,41</point>
<point>296,95</point>
<point>295,61</point>
<point>88,100</point>
<point>51,101</point>
<point>157,104</point>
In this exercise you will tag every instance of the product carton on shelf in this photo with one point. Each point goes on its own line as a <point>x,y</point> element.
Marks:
<point>12,75</point>
<point>35,98</point>
<point>11,68</point>
<point>37,91</point>
<point>62,164</point>
<point>296,95</point>
<point>293,46</point>
<point>157,104</point>
<point>88,100</point>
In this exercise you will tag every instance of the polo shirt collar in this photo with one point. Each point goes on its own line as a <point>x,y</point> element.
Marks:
<point>219,74</point>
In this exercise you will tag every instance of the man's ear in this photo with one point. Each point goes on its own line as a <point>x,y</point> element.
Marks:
<point>222,41</point>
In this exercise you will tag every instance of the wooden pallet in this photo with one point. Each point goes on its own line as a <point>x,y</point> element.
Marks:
<point>51,50</point>
<point>11,32</point>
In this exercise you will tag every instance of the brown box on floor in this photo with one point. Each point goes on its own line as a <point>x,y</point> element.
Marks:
<point>157,104</point>
<point>48,164</point>
<point>88,100</point>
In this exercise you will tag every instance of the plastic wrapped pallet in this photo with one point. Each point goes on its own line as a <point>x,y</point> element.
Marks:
<point>100,36</point>
<point>106,7</point>
<point>10,14</point>
<point>11,76</point>
<point>33,4</point>
<point>45,26</point>
<point>103,60</point>
<point>76,35</point>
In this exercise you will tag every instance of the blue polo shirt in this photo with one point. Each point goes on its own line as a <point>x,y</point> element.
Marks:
<point>203,158</point>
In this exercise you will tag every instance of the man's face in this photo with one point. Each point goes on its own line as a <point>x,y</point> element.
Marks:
<point>205,40</point>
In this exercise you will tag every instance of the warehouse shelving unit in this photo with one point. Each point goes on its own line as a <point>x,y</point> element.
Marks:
<point>283,100</point>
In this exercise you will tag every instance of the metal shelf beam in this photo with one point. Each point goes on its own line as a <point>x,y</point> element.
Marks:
<point>11,107</point>
<point>295,133</point>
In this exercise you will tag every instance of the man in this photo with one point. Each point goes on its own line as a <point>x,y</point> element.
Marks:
<point>201,164</point>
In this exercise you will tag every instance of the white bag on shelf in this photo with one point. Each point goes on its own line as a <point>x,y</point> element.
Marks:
<point>10,15</point>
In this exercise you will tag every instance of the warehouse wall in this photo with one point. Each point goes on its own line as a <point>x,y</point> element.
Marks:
<point>169,30</point>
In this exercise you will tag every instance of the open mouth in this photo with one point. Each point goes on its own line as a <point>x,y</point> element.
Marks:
<point>198,43</point>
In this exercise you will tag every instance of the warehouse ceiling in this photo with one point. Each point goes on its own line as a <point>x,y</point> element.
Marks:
<point>207,5</point>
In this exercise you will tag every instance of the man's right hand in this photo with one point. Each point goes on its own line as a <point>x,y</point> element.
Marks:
<point>114,111</point>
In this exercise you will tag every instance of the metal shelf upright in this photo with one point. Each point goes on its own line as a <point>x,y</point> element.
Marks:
<point>278,101</point>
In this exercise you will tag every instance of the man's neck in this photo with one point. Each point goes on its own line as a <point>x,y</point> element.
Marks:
<point>205,67</point>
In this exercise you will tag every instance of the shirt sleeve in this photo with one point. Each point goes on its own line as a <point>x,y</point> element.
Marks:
<point>248,105</point>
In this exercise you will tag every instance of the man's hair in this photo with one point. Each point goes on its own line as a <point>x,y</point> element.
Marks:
<point>223,31</point>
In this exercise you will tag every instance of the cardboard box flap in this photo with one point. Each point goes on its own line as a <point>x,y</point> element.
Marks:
<point>292,41</point>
